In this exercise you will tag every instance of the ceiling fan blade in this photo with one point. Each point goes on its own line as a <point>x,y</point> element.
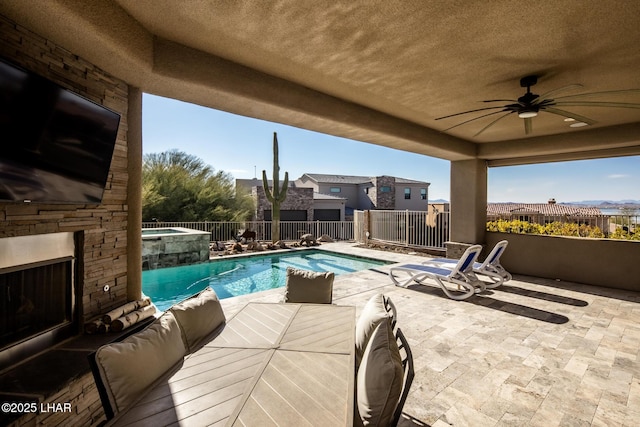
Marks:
<point>501,100</point>
<point>492,123</point>
<point>606,92</point>
<point>471,120</point>
<point>466,112</point>
<point>597,104</point>
<point>560,89</point>
<point>569,115</point>
<point>528,126</point>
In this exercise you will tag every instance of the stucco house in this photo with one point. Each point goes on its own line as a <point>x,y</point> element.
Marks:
<point>324,197</point>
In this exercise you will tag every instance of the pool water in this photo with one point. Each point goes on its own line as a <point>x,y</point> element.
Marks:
<point>241,276</point>
<point>154,231</point>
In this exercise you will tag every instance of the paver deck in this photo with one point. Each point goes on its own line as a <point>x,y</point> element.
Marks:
<point>534,352</point>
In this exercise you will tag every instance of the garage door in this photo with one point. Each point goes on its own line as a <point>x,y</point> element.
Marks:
<point>326,214</point>
<point>300,215</point>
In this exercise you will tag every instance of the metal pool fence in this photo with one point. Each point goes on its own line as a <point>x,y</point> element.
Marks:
<point>407,228</point>
<point>289,230</point>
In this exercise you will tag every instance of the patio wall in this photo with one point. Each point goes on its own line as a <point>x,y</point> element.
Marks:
<point>100,229</point>
<point>600,262</point>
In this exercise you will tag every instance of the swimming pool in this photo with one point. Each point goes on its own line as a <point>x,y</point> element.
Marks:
<point>240,276</point>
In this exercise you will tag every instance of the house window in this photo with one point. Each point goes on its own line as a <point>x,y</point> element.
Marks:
<point>525,218</point>
<point>335,189</point>
<point>407,193</point>
<point>423,194</point>
<point>385,189</point>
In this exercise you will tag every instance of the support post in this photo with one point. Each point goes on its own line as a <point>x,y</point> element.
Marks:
<point>134,195</point>
<point>468,201</point>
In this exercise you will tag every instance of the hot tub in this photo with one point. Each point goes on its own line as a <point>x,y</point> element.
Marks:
<point>168,247</point>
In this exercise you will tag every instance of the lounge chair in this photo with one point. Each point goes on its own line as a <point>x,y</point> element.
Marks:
<point>490,267</point>
<point>461,274</point>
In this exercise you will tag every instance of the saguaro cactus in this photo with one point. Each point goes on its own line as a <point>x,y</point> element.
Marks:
<point>276,195</point>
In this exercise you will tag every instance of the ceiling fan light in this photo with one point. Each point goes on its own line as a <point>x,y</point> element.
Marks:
<point>569,119</point>
<point>578,124</point>
<point>527,114</point>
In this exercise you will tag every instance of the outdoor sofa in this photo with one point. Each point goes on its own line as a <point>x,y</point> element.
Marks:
<point>125,370</point>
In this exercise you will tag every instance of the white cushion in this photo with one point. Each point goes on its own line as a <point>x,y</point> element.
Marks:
<point>198,316</point>
<point>372,314</point>
<point>129,367</point>
<point>308,286</point>
<point>380,377</point>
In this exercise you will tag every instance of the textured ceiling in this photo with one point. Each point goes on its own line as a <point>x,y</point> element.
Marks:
<point>402,63</point>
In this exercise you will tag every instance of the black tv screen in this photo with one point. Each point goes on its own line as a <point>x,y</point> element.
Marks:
<point>55,145</point>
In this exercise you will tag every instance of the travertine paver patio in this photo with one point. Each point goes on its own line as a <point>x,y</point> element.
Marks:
<point>535,352</point>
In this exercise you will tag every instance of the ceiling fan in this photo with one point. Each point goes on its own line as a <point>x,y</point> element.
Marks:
<point>529,105</point>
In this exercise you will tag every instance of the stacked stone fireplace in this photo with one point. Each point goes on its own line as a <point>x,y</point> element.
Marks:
<point>94,268</point>
<point>37,294</point>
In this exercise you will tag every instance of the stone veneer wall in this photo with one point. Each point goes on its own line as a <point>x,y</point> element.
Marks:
<point>455,250</point>
<point>384,200</point>
<point>86,408</point>
<point>170,250</point>
<point>104,226</point>
<point>100,229</point>
<point>298,199</point>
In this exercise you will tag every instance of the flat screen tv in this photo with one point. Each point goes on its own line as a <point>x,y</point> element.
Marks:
<point>55,145</point>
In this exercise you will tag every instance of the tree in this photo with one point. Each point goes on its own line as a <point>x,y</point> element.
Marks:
<point>276,195</point>
<point>177,186</point>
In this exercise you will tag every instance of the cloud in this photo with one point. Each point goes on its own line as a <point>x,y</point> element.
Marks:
<point>618,176</point>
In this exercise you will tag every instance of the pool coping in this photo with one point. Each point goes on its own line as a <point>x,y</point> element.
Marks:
<point>268,252</point>
<point>183,232</point>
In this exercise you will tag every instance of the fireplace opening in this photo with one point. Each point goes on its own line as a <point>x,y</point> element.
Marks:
<point>38,294</point>
<point>34,301</point>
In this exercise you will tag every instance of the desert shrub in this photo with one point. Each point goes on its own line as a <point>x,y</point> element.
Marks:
<point>555,228</point>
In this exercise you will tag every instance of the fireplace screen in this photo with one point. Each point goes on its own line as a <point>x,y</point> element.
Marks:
<point>35,300</point>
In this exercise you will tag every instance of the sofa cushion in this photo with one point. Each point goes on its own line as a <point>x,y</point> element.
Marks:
<point>308,286</point>
<point>373,313</point>
<point>379,380</point>
<point>198,316</point>
<point>129,367</point>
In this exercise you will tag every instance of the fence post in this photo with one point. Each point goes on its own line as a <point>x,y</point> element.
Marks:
<point>406,226</point>
<point>367,226</point>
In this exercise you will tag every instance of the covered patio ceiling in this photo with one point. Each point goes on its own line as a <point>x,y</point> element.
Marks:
<point>381,72</point>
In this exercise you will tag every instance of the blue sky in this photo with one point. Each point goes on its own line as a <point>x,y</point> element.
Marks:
<point>243,147</point>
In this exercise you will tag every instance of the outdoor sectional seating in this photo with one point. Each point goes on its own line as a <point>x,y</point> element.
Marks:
<point>124,370</point>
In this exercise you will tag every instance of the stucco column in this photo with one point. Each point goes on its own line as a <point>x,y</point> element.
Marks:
<point>468,201</point>
<point>134,195</point>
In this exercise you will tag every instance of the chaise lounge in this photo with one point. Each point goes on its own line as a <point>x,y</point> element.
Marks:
<point>490,267</point>
<point>461,275</point>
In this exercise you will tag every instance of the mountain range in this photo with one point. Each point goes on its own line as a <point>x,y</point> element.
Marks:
<point>606,202</point>
<point>597,203</point>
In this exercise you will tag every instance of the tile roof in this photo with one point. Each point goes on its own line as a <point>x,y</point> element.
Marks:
<point>541,208</point>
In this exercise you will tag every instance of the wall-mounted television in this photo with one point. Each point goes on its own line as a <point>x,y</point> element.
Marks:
<point>55,145</point>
